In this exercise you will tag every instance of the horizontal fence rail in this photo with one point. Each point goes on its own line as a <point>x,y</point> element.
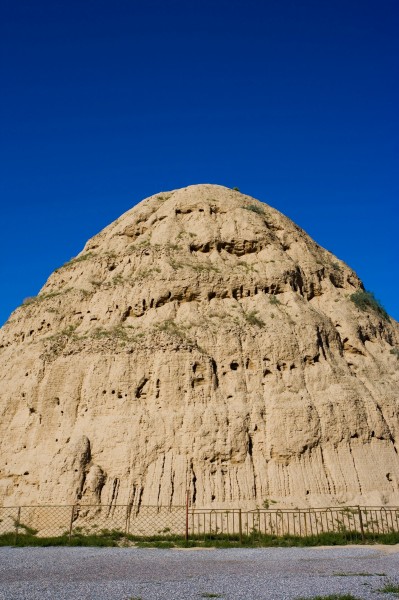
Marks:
<point>159,522</point>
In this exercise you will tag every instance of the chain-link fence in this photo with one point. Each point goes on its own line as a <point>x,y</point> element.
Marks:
<point>53,521</point>
<point>153,522</point>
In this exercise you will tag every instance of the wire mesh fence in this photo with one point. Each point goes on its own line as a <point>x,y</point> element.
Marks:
<point>186,522</point>
<point>52,521</point>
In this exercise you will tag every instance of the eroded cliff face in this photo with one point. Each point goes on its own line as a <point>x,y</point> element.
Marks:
<point>202,341</point>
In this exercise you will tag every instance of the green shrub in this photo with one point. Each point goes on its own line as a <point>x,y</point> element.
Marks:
<point>253,319</point>
<point>170,326</point>
<point>116,332</point>
<point>117,279</point>
<point>390,588</point>
<point>274,300</point>
<point>267,502</point>
<point>69,331</point>
<point>41,297</point>
<point>176,264</point>
<point>144,273</point>
<point>365,300</point>
<point>255,208</point>
<point>77,259</point>
<point>50,295</point>
<point>246,266</point>
<point>395,352</point>
<point>203,267</point>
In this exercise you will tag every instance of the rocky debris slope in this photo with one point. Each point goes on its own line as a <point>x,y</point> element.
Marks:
<point>202,341</point>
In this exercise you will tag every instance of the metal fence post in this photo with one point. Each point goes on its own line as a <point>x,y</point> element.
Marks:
<point>71,523</point>
<point>240,525</point>
<point>361,522</point>
<point>187,502</point>
<point>127,524</point>
<point>17,522</point>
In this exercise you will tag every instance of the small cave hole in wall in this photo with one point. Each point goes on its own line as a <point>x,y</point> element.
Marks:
<point>234,365</point>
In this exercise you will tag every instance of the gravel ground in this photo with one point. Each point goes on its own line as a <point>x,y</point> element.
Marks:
<point>233,574</point>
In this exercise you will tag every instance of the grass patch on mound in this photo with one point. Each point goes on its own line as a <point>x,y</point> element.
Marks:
<point>256,208</point>
<point>367,301</point>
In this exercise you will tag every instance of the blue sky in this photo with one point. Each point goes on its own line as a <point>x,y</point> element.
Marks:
<point>105,103</point>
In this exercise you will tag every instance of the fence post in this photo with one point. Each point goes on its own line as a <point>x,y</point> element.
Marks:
<point>127,524</point>
<point>361,522</point>
<point>240,525</point>
<point>71,523</point>
<point>187,502</point>
<point>17,522</point>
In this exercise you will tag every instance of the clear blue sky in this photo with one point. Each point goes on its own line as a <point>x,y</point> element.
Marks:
<point>106,102</point>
